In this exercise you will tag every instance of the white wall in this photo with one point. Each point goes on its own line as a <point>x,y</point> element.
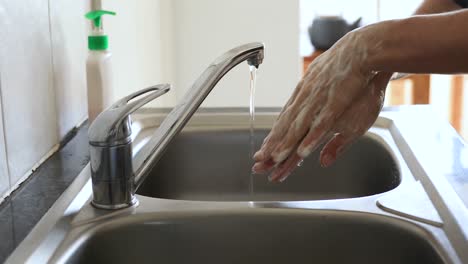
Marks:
<point>204,29</point>
<point>42,80</point>
<point>175,40</point>
<point>4,175</point>
<point>136,37</point>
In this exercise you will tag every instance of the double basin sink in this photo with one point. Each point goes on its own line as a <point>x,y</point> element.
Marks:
<point>200,204</point>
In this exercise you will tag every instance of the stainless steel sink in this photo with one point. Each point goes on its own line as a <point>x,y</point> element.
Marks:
<point>215,164</point>
<point>264,236</point>
<point>377,204</point>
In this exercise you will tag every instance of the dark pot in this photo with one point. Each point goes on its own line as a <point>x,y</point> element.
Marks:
<point>327,30</point>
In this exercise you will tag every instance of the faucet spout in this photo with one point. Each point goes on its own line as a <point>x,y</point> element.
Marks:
<point>253,53</point>
<point>115,173</point>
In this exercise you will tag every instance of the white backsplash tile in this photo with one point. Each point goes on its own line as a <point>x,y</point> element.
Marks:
<point>27,85</point>
<point>69,47</point>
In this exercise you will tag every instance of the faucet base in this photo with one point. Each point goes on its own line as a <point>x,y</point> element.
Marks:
<point>133,202</point>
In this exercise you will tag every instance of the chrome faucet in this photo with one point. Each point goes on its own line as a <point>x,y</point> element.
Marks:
<point>115,173</point>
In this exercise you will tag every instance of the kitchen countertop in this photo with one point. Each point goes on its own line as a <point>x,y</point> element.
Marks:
<point>21,211</point>
<point>447,154</point>
<point>26,206</point>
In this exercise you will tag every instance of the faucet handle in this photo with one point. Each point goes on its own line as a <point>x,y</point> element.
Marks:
<point>113,126</point>
<point>155,91</point>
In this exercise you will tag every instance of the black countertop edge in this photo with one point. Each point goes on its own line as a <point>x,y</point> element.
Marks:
<point>23,209</point>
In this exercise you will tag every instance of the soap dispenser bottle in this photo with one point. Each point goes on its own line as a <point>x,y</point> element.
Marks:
<point>98,66</point>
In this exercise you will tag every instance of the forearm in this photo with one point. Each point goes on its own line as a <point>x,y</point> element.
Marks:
<point>419,44</point>
<point>430,7</point>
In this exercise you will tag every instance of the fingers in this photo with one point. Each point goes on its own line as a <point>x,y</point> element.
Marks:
<point>353,123</point>
<point>334,148</point>
<point>320,128</point>
<point>283,170</point>
<point>295,93</point>
<point>294,120</point>
<point>259,155</point>
<point>276,134</point>
<point>297,131</point>
<point>263,166</point>
<point>280,128</point>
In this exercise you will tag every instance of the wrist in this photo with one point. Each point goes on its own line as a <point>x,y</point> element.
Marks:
<point>369,42</point>
<point>378,42</point>
<point>364,44</point>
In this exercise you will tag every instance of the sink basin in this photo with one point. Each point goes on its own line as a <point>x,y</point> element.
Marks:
<point>204,181</point>
<point>263,236</point>
<point>214,165</point>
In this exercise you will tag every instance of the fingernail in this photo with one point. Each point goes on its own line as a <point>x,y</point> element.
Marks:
<point>284,177</point>
<point>275,177</point>
<point>256,167</point>
<point>327,160</point>
<point>258,155</point>
<point>304,152</point>
<point>279,157</point>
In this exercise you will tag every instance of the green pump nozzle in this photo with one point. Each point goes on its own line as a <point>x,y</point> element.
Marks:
<point>96,15</point>
<point>98,41</point>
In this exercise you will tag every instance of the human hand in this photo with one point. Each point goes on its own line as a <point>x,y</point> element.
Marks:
<point>337,100</point>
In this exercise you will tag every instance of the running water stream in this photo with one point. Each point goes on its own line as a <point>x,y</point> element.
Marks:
<point>253,77</point>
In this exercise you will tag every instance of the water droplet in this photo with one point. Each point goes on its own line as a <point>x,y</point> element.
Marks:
<point>299,164</point>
